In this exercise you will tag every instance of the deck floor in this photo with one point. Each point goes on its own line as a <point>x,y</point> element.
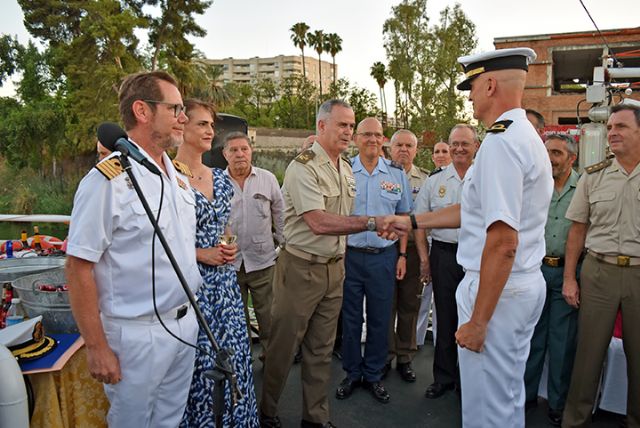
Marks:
<point>408,407</point>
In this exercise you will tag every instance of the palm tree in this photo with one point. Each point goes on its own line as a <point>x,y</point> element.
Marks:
<point>317,41</point>
<point>334,45</point>
<point>379,73</point>
<point>299,38</point>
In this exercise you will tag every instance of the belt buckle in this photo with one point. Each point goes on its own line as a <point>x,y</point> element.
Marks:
<point>624,261</point>
<point>552,261</point>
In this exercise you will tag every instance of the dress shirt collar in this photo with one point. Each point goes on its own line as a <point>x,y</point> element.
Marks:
<point>358,167</point>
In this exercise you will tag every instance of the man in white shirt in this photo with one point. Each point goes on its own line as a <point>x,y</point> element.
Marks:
<point>257,221</point>
<point>113,290</point>
<point>505,200</point>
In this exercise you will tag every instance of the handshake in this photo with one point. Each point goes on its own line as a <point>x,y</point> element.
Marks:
<point>391,227</point>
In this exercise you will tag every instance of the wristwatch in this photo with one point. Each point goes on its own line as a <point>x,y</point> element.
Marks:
<point>371,224</point>
<point>403,255</point>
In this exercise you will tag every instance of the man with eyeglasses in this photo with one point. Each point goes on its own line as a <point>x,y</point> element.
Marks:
<point>372,264</point>
<point>442,189</point>
<point>555,333</point>
<point>146,372</point>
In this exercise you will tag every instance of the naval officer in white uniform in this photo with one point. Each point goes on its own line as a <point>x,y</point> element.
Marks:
<point>146,372</point>
<point>502,215</point>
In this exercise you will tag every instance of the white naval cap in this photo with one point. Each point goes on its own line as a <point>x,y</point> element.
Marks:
<point>500,59</point>
<point>26,340</point>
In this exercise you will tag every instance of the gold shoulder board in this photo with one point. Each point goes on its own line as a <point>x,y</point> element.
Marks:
<point>346,159</point>
<point>500,126</point>
<point>110,168</point>
<point>182,168</point>
<point>424,170</point>
<point>598,166</point>
<point>305,156</point>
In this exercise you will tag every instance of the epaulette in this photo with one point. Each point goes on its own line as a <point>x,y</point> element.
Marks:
<point>396,165</point>
<point>305,156</point>
<point>424,170</point>
<point>182,168</point>
<point>347,160</point>
<point>500,126</point>
<point>435,171</point>
<point>598,166</point>
<point>110,168</point>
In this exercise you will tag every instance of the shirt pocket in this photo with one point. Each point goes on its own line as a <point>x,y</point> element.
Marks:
<point>389,200</point>
<point>262,205</point>
<point>602,206</point>
<point>331,198</point>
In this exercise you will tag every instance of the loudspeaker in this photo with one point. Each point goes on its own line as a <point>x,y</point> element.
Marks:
<point>224,124</point>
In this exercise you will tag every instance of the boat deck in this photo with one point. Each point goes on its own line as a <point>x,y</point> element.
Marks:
<point>408,406</point>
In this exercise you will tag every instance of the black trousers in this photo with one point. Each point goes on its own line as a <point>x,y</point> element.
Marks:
<point>446,274</point>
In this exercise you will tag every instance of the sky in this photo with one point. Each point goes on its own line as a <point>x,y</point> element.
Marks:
<point>248,28</point>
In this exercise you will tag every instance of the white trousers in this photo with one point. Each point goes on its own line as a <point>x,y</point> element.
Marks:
<point>492,381</point>
<point>156,371</point>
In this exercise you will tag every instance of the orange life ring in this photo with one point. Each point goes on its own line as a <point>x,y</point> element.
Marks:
<point>17,246</point>
<point>46,242</point>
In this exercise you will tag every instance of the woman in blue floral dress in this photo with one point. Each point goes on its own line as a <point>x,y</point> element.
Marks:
<point>219,297</point>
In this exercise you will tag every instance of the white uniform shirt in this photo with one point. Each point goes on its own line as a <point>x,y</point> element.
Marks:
<point>511,182</point>
<point>441,190</point>
<point>109,227</point>
<point>254,211</point>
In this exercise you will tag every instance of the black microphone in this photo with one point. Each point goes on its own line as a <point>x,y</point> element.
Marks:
<point>114,138</point>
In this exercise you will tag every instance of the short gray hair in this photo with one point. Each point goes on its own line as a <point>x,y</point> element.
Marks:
<point>326,107</point>
<point>235,135</point>
<point>465,126</point>
<point>630,107</point>
<point>403,131</point>
<point>571,144</point>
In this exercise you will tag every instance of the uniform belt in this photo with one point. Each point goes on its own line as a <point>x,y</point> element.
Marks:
<point>370,250</point>
<point>450,246</point>
<point>553,261</point>
<point>619,260</point>
<point>313,258</point>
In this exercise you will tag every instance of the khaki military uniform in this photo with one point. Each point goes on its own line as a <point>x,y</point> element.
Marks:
<point>307,286</point>
<point>406,299</point>
<point>608,199</point>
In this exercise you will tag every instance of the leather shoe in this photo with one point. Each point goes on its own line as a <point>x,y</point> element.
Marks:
<point>436,389</point>
<point>555,417</point>
<point>385,369</point>
<point>269,421</point>
<point>406,372</point>
<point>378,391</point>
<point>307,424</point>
<point>346,388</point>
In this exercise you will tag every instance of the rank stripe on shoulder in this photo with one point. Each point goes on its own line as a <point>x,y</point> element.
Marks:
<point>396,165</point>
<point>182,168</point>
<point>110,168</point>
<point>500,126</point>
<point>435,171</point>
<point>598,166</point>
<point>305,156</point>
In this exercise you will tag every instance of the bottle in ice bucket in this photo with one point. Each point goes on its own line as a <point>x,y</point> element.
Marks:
<point>23,239</point>
<point>37,239</point>
<point>14,314</point>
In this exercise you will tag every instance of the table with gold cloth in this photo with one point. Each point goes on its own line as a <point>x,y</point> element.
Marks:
<point>69,398</point>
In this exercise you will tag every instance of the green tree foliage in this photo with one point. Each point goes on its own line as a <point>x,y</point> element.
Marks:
<point>317,40</point>
<point>9,51</point>
<point>422,62</point>
<point>379,73</point>
<point>333,47</point>
<point>254,101</point>
<point>361,100</point>
<point>299,39</point>
<point>295,106</point>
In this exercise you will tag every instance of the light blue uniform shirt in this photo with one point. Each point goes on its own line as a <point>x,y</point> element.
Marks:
<point>385,191</point>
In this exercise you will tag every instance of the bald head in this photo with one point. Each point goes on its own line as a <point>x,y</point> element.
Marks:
<point>368,123</point>
<point>496,92</point>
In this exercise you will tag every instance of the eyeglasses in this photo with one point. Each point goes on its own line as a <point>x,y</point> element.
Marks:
<point>177,108</point>
<point>456,144</point>
<point>376,135</point>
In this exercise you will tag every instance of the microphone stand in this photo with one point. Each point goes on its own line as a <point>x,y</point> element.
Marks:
<point>223,370</point>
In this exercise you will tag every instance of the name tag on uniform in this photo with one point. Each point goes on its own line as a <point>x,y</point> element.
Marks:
<point>390,187</point>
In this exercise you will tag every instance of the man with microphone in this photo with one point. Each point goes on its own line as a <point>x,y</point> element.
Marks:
<point>121,283</point>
